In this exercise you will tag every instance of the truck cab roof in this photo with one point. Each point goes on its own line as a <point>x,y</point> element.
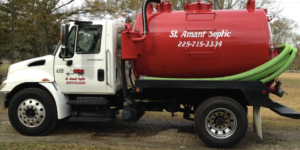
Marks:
<point>87,22</point>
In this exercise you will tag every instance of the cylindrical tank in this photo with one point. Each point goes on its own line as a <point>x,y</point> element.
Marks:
<point>200,42</point>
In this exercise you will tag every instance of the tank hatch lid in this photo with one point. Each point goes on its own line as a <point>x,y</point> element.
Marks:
<point>199,5</point>
<point>164,6</point>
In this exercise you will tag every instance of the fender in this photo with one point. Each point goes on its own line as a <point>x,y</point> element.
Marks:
<point>60,99</point>
<point>63,110</point>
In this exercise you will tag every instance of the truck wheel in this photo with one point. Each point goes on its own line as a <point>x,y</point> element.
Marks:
<point>32,112</point>
<point>221,122</point>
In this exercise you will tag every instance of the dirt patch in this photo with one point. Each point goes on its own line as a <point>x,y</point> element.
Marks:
<point>46,146</point>
<point>3,111</point>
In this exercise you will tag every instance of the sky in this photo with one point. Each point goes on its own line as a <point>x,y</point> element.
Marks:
<point>291,10</point>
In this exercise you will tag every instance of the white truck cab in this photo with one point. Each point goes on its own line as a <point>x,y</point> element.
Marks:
<point>90,67</point>
<point>90,64</point>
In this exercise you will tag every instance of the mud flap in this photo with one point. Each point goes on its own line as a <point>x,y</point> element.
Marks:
<point>257,121</point>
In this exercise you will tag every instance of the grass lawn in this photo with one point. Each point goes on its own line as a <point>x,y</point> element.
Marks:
<point>3,70</point>
<point>4,67</point>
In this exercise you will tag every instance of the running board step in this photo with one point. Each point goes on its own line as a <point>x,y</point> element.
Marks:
<point>86,102</point>
<point>284,111</point>
<point>82,119</point>
<point>95,101</point>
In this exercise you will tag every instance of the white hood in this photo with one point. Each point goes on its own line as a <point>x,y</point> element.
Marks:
<point>24,64</point>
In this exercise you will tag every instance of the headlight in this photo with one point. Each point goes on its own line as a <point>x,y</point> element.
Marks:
<point>2,86</point>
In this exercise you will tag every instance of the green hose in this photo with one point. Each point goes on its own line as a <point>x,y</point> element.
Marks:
<point>265,72</point>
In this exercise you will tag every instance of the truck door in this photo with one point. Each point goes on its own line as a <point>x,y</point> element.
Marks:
<point>82,71</point>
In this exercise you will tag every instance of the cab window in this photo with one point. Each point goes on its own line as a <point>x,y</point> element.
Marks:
<point>89,39</point>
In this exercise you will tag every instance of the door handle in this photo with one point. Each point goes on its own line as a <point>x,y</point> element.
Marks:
<point>100,75</point>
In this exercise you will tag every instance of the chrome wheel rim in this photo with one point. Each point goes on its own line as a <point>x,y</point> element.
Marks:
<point>31,113</point>
<point>221,123</point>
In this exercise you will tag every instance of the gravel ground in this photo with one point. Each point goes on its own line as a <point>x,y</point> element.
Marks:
<point>153,131</point>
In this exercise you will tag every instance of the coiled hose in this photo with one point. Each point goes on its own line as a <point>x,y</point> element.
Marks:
<point>265,72</point>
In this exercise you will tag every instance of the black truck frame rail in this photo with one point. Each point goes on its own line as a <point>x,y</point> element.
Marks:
<point>251,93</point>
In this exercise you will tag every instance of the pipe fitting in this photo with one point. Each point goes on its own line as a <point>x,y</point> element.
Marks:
<point>145,22</point>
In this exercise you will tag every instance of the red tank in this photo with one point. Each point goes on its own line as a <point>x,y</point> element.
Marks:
<point>198,42</point>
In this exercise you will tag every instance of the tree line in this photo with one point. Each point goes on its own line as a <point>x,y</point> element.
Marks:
<point>37,22</point>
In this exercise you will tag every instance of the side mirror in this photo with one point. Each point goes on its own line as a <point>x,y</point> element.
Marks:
<point>64,38</point>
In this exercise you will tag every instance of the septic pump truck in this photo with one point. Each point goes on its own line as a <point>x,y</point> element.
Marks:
<point>40,91</point>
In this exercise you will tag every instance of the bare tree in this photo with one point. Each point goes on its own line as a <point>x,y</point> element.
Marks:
<point>101,9</point>
<point>37,23</point>
<point>282,30</point>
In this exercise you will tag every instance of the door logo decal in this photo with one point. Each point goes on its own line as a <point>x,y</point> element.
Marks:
<point>79,72</point>
<point>75,80</point>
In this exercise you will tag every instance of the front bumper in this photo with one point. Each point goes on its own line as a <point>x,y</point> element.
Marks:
<point>2,99</point>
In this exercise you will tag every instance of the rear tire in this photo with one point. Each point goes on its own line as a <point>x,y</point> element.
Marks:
<point>221,122</point>
<point>32,112</point>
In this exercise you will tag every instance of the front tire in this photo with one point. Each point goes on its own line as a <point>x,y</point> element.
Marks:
<point>221,122</point>
<point>32,112</point>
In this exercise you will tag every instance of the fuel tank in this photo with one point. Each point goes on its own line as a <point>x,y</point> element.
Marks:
<point>197,42</point>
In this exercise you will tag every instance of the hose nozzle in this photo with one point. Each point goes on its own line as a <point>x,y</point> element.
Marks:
<point>278,91</point>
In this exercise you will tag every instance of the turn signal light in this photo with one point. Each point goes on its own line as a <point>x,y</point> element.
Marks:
<point>45,80</point>
<point>137,90</point>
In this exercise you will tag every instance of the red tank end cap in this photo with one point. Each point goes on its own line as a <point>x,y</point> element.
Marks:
<point>164,6</point>
<point>198,6</point>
